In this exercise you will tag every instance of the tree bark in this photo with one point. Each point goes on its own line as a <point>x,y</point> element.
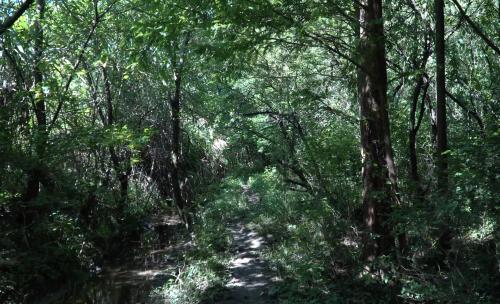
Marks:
<point>379,172</point>
<point>446,233</point>
<point>442,140</point>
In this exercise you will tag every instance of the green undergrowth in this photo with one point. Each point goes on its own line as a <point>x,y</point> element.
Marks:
<point>303,235</point>
<point>198,280</point>
<point>313,249</point>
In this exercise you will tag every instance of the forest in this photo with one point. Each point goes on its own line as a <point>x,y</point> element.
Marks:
<point>249,151</point>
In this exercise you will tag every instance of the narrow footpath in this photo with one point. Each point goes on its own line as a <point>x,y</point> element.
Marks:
<point>250,276</point>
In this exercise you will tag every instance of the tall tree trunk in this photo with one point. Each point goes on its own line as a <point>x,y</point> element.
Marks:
<point>41,115</point>
<point>414,127</point>
<point>422,85</point>
<point>35,174</point>
<point>442,140</point>
<point>175,108</point>
<point>379,173</point>
<point>446,233</point>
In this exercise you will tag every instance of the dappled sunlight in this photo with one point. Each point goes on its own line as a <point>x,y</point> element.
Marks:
<point>250,276</point>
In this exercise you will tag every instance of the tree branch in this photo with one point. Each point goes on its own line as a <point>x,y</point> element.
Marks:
<point>476,28</point>
<point>9,21</point>
<point>470,112</point>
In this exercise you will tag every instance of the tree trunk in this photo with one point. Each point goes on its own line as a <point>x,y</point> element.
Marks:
<point>442,140</point>
<point>176,177</point>
<point>446,233</point>
<point>379,173</point>
<point>412,136</point>
<point>41,115</point>
<point>422,85</point>
<point>432,121</point>
<point>122,170</point>
<point>35,173</point>
<point>175,108</point>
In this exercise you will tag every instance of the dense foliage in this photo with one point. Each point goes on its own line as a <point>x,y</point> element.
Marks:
<point>115,111</point>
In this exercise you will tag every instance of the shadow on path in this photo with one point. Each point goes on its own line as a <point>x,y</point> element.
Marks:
<point>250,277</point>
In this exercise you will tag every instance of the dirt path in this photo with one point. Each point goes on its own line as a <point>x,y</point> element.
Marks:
<point>250,277</point>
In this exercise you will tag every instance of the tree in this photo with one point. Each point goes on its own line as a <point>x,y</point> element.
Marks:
<point>442,129</point>
<point>38,173</point>
<point>421,88</point>
<point>379,171</point>
<point>177,61</point>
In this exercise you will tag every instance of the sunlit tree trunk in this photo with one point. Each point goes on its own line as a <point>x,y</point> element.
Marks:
<point>379,173</point>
